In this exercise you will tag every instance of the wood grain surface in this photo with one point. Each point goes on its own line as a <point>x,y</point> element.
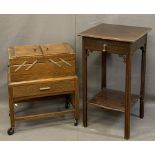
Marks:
<point>116,32</point>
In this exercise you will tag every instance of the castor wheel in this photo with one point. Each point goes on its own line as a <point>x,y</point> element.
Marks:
<point>75,122</point>
<point>11,131</point>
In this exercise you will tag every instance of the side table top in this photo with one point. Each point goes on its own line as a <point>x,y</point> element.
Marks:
<point>116,32</point>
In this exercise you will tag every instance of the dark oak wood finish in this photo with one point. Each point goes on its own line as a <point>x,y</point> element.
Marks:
<point>84,70</point>
<point>112,32</point>
<point>124,41</point>
<point>111,99</point>
<point>142,89</point>
<point>103,70</point>
<point>127,96</point>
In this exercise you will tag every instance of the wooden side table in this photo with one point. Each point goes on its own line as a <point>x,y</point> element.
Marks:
<point>124,41</point>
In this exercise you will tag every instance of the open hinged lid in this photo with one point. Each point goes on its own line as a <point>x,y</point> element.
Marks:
<point>39,50</point>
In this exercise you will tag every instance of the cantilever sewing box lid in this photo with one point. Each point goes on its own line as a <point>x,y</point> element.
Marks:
<point>30,52</point>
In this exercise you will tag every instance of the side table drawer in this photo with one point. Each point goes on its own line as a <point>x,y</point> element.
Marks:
<point>117,47</point>
<point>43,88</point>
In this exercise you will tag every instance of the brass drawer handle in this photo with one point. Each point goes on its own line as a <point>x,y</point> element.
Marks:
<point>56,63</point>
<point>67,63</point>
<point>44,88</point>
<point>104,47</point>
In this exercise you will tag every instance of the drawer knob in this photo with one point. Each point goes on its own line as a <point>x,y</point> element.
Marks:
<point>104,47</point>
<point>45,88</point>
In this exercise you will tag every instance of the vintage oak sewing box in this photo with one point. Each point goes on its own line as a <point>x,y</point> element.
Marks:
<point>36,71</point>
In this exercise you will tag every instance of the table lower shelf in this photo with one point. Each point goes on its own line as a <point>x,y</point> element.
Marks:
<point>112,99</point>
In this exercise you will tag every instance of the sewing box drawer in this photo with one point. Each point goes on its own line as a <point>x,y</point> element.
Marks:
<point>46,87</point>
